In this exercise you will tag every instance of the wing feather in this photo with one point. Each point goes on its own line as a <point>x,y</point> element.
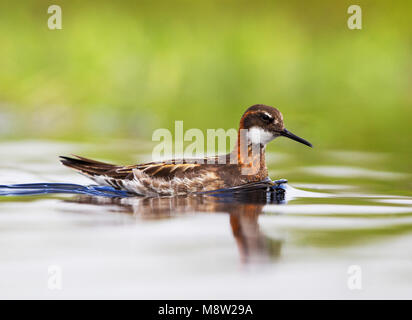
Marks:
<point>167,169</point>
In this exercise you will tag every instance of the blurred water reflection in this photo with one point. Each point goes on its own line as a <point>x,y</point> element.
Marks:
<point>243,212</point>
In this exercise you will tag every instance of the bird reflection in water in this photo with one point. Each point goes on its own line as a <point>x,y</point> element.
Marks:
<point>243,209</point>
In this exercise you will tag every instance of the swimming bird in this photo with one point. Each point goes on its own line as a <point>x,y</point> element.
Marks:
<point>246,164</point>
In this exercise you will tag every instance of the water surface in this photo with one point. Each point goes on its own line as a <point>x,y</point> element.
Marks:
<point>341,209</point>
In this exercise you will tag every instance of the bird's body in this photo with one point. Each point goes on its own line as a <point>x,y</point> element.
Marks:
<point>245,164</point>
<point>175,177</point>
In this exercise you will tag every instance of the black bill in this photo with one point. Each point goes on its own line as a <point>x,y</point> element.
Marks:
<point>290,135</point>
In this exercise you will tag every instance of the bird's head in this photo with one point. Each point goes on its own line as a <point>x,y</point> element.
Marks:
<point>264,124</point>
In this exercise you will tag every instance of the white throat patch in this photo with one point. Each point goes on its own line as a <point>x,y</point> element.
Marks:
<point>260,136</point>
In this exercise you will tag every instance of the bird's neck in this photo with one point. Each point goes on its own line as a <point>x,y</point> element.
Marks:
<point>250,157</point>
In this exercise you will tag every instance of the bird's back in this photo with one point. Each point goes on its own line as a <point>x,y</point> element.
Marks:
<point>172,177</point>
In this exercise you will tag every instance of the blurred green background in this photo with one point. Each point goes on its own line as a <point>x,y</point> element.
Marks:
<point>121,69</point>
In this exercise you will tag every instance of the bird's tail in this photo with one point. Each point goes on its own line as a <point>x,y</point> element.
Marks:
<point>87,166</point>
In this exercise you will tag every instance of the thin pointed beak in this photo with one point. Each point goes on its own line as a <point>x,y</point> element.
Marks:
<point>290,135</point>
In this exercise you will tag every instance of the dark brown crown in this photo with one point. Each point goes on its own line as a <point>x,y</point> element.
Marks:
<point>262,116</point>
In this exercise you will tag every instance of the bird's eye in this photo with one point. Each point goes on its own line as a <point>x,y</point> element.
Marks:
<point>266,117</point>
